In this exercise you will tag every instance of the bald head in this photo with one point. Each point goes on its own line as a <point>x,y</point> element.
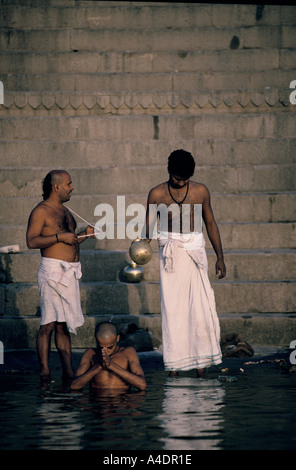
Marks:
<point>53,177</point>
<point>105,330</point>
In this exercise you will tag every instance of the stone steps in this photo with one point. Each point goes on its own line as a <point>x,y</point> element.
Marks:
<point>146,128</point>
<point>257,329</point>
<point>119,298</point>
<point>100,15</point>
<point>136,82</point>
<point>118,62</point>
<point>107,90</point>
<point>215,152</point>
<point>91,181</point>
<point>273,207</point>
<point>235,236</point>
<point>103,265</point>
<point>144,39</point>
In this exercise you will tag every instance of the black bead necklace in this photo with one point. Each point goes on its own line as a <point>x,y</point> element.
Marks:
<point>178,202</point>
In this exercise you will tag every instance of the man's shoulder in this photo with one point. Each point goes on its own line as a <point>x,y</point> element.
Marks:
<point>41,207</point>
<point>89,353</point>
<point>39,210</point>
<point>128,351</point>
<point>157,191</point>
<point>159,187</point>
<point>198,187</point>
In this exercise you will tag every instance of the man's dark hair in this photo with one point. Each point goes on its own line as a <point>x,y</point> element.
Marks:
<point>181,163</point>
<point>47,186</point>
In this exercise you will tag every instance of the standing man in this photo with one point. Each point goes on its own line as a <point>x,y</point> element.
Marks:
<point>190,325</point>
<point>51,228</point>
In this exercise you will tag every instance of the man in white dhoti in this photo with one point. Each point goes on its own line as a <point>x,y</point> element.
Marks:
<point>190,325</point>
<point>51,228</point>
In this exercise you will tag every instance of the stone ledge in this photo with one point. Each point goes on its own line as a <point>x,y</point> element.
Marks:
<point>147,103</point>
<point>275,329</point>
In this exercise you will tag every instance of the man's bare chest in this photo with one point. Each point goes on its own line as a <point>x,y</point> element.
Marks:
<point>61,220</point>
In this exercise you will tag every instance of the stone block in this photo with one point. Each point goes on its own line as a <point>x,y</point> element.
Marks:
<point>244,297</point>
<point>106,266</point>
<point>78,128</point>
<point>287,58</point>
<point>288,36</point>
<point>97,153</point>
<point>265,36</point>
<point>244,207</point>
<point>235,236</point>
<point>119,298</point>
<point>212,126</point>
<point>275,330</point>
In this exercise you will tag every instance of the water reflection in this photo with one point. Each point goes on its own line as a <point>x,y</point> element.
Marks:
<point>87,419</point>
<point>192,414</point>
<point>59,423</point>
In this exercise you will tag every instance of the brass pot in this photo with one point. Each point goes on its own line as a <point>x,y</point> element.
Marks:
<point>133,273</point>
<point>140,251</point>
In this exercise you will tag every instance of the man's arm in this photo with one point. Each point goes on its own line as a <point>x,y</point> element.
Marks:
<point>213,233</point>
<point>34,236</point>
<point>84,373</point>
<point>134,376</point>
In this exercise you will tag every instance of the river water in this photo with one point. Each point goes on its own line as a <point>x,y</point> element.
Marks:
<point>238,406</point>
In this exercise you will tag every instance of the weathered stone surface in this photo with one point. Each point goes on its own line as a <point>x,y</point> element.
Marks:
<point>107,90</point>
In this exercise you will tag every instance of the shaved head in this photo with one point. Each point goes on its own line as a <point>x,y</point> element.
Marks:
<point>105,330</point>
<point>53,177</point>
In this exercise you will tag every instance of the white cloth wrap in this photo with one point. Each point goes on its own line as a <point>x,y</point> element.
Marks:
<point>190,324</point>
<point>58,283</point>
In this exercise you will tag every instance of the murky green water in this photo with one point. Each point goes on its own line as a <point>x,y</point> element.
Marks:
<point>257,411</point>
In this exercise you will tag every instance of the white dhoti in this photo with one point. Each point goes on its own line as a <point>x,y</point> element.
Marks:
<point>190,324</point>
<point>58,283</point>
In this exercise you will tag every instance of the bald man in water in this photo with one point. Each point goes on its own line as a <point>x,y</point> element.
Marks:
<point>51,228</point>
<point>109,366</point>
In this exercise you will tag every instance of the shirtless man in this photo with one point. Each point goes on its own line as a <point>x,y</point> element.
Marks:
<point>109,366</point>
<point>176,191</point>
<point>51,228</point>
<point>187,303</point>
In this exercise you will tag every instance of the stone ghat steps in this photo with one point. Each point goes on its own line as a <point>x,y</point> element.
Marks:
<point>121,128</point>
<point>272,207</point>
<point>119,298</point>
<point>235,236</point>
<point>26,182</point>
<point>136,82</point>
<point>116,15</point>
<point>208,151</point>
<point>107,266</point>
<point>147,39</point>
<point>122,61</point>
<point>274,329</point>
